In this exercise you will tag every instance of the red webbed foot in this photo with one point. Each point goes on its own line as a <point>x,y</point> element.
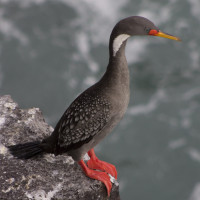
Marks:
<point>95,163</point>
<point>101,176</point>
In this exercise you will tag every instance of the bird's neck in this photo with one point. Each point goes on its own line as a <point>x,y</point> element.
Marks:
<point>117,72</point>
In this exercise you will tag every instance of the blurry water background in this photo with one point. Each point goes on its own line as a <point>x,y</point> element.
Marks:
<point>50,51</point>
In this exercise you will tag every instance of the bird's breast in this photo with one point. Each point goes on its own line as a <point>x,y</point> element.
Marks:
<point>118,97</point>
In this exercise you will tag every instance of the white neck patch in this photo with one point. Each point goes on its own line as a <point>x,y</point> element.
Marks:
<point>118,41</point>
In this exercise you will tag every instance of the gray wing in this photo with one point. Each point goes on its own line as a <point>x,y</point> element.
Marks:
<point>85,118</point>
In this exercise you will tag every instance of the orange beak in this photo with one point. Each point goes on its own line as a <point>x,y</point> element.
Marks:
<point>164,35</point>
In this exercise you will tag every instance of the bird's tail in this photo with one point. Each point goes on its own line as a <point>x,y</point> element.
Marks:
<point>26,150</point>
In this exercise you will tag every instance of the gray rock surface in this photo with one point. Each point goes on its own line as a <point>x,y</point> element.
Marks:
<point>44,177</point>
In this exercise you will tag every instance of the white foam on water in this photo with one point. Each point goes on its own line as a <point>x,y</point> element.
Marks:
<point>25,3</point>
<point>191,93</point>
<point>195,7</point>
<point>156,12</point>
<point>96,18</point>
<point>153,103</point>
<point>186,122</point>
<point>135,49</point>
<point>90,80</point>
<point>195,193</point>
<point>9,30</point>
<point>94,22</point>
<point>108,9</point>
<point>194,54</point>
<point>84,49</point>
<point>186,115</point>
<point>194,154</point>
<point>175,144</point>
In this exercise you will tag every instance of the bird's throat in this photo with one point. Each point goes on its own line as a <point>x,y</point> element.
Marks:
<point>118,41</point>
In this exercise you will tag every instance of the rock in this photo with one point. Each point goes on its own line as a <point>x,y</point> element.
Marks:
<point>44,177</point>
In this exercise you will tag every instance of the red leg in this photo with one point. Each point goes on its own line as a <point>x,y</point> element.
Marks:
<point>95,163</point>
<point>101,176</point>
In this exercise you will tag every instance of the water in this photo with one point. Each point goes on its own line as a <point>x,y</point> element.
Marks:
<point>50,51</point>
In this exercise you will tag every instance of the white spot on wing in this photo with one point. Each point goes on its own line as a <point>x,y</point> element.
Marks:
<point>118,42</point>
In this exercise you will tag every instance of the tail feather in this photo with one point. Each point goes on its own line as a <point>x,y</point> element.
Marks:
<point>26,151</point>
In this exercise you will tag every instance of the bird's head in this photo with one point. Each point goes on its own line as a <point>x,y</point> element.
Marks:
<point>135,25</point>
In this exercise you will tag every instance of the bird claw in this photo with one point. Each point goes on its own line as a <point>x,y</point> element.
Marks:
<point>98,175</point>
<point>95,163</point>
<point>106,169</point>
<point>102,166</point>
<point>103,177</point>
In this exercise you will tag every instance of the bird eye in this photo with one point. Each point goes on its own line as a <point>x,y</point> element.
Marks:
<point>146,29</point>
